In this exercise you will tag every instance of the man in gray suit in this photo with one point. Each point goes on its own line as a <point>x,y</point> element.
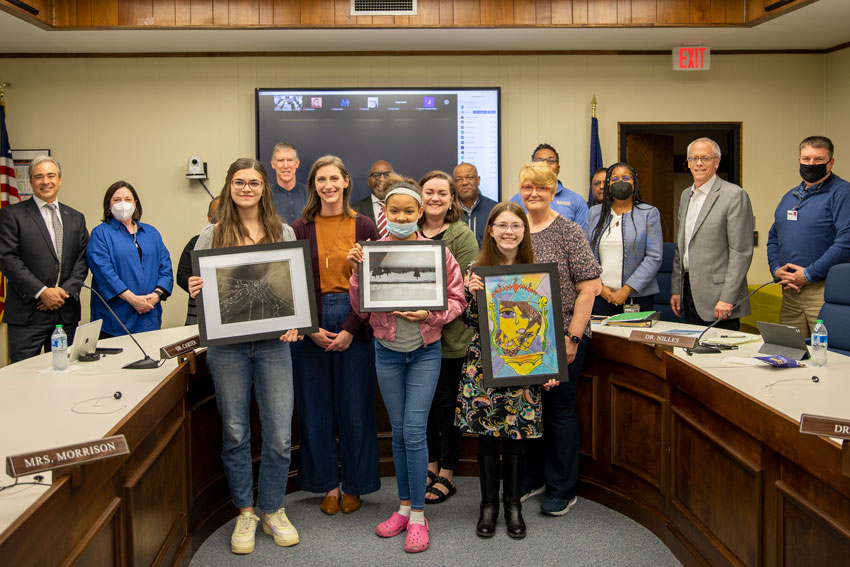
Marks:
<point>714,246</point>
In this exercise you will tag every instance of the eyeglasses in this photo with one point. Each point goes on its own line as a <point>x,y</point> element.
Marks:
<point>379,174</point>
<point>703,159</point>
<point>533,188</point>
<point>241,183</point>
<point>625,178</point>
<point>549,160</point>
<point>504,227</point>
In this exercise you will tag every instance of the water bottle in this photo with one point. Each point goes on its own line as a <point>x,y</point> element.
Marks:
<point>59,348</point>
<point>819,344</point>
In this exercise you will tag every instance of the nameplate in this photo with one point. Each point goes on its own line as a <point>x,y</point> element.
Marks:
<point>824,426</point>
<point>176,349</point>
<point>663,339</point>
<point>77,454</point>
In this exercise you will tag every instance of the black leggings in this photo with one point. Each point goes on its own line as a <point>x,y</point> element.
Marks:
<point>443,434</point>
<point>488,446</point>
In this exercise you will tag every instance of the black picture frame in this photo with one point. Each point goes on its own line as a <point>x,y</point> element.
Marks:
<point>524,292</point>
<point>276,279</point>
<point>389,270</point>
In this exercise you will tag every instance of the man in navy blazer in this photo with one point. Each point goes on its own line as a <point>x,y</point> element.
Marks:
<point>43,256</point>
<point>714,246</point>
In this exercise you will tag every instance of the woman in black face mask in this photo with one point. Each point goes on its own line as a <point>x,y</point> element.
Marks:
<point>625,235</point>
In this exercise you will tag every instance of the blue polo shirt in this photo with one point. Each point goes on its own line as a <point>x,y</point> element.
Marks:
<point>289,204</point>
<point>567,203</point>
<point>820,237</point>
<point>115,266</point>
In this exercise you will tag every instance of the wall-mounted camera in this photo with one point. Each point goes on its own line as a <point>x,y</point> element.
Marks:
<point>196,168</point>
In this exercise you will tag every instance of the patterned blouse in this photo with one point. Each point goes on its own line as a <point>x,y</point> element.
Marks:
<point>565,243</point>
<point>512,411</point>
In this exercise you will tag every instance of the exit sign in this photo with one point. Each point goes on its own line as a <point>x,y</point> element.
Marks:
<point>691,58</point>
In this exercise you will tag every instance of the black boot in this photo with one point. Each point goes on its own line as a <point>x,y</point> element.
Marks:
<point>512,474</point>
<point>488,474</point>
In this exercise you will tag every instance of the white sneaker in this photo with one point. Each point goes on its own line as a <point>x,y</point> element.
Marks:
<point>242,540</point>
<point>533,492</point>
<point>279,526</point>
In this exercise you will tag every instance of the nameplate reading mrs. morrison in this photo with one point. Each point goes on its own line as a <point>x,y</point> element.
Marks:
<point>76,454</point>
<point>662,339</point>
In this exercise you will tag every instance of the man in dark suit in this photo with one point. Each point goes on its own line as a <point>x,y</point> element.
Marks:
<point>371,205</point>
<point>43,256</point>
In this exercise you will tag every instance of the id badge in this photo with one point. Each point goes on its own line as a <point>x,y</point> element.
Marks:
<point>631,308</point>
<point>791,215</point>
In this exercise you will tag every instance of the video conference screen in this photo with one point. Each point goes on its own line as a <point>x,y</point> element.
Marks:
<point>416,130</point>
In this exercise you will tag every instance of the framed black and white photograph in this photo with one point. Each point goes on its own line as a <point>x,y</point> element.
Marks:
<point>255,292</point>
<point>521,325</point>
<point>403,275</point>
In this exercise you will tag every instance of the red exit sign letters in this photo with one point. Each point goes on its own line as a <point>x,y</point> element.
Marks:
<point>691,58</point>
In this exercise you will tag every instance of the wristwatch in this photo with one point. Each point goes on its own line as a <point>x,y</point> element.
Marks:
<point>573,338</point>
<point>158,292</point>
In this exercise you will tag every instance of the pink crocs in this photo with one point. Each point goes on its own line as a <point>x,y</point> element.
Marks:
<point>417,538</point>
<point>392,527</point>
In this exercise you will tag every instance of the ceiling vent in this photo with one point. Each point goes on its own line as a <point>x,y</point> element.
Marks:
<point>383,7</point>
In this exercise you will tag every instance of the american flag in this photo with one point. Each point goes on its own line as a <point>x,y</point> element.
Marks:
<point>8,186</point>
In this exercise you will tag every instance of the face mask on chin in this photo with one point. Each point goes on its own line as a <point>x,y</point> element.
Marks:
<point>811,172</point>
<point>621,190</point>
<point>123,211</point>
<point>401,230</point>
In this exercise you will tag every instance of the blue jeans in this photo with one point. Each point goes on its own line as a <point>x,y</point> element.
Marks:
<point>335,394</point>
<point>268,365</point>
<point>553,459</point>
<point>408,381</point>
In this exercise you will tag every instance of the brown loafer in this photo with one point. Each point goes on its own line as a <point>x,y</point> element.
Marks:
<point>350,503</point>
<point>330,505</point>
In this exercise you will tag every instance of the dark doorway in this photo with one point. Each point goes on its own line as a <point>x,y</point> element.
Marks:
<point>658,152</point>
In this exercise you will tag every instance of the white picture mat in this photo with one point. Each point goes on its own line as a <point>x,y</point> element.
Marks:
<point>439,265</point>
<point>214,327</point>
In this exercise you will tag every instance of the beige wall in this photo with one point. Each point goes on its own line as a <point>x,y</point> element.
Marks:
<point>140,119</point>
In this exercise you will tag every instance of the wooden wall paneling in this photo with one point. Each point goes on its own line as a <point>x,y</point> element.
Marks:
<point>104,13</point>
<point>84,13</point>
<point>807,536</point>
<point>103,545</point>
<point>287,12</point>
<point>221,13</point>
<point>636,431</point>
<point>427,13</point>
<point>562,12</point>
<point>580,12</point>
<point>701,11</point>
<point>718,11</point>
<point>736,11</point>
<point>168,13</point>
<point>497,12</point>
<point>624,12</point>
<point>672,11</point>
<point>543,12</point>
<point>466,13</point>
<point>243,12</point>
<point>525,12</point>
<point>755,9</point>
<point>65,13</point>
<point>644,11</point>
<point>721,505</point>
<point>602,12</point>
<point>201,12</point>
<point>342,13</point>
<point>266,12</point>
<point>137,13</point>
<point>446,12</point>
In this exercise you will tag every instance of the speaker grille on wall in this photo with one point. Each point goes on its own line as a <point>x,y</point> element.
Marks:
<point>383,7</point>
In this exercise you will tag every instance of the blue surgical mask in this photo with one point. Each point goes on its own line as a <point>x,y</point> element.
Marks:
<point>401,230</point>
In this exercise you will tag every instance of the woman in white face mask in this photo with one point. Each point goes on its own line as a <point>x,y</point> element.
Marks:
<point>130,266</point>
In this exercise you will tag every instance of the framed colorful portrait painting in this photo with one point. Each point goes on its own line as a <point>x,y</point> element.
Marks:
<point>521,325</point>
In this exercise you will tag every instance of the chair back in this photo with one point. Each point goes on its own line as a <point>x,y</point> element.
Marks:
<point>836,308</point>
<point>664,277</point>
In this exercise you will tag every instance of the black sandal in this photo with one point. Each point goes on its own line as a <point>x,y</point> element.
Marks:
<point>441,496</point>
<point>432,478</point>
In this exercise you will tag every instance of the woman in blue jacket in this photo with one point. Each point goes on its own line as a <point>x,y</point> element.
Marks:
<point>130,265</point>
<point>625,236</point>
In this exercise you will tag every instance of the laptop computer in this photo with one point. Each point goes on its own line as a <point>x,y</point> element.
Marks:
<point>785,340</point>
<point>85,341</point>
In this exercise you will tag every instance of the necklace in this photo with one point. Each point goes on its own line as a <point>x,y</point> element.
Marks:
<point>439,230</point>
<point>329,249</point>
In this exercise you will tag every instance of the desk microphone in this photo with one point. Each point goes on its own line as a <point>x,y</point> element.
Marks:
<point>705,349</point>
<point>143,363</point>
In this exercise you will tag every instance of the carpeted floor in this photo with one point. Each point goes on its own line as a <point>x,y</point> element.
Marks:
<point>590,534</point>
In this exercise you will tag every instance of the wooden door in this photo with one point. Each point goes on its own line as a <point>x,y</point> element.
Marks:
<point>652,157</point>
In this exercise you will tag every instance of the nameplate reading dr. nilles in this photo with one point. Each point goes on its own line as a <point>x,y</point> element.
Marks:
<point>663,339</point>
<point>78,453</point>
